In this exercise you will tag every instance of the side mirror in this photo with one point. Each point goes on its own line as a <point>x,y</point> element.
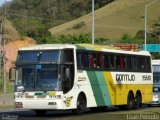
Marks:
<point>67,73</point>
<point>12,73</point>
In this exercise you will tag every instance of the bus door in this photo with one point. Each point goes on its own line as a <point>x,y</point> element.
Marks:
<point>67,69</point>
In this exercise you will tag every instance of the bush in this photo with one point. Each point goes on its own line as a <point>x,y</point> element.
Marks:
<point>73,39</point>
<point>125,36</point>
<point>79,25</point>
<point>140,34</point>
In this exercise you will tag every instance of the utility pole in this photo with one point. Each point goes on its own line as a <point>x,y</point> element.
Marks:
<point>145,23</point>
<point>93,22</point>
<point>1,36</point>
<point>4,53</point>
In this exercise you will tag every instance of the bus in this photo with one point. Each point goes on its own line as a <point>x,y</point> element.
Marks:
<point>156,81</point>
<point>76,77</point>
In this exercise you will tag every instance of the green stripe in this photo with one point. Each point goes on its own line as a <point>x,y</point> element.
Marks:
<point>96,88</point>
<point>104,88</point>
<point>40,94</point>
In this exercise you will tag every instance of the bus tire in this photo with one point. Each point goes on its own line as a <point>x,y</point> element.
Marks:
<point>40,112</point>
<point>138,101</point>
<point>81,105</point>
<point>130,102</point>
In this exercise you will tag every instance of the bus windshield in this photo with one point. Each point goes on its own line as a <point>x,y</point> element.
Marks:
<point>38,56</point>
<point>38,77</point>
<point>37,70</point>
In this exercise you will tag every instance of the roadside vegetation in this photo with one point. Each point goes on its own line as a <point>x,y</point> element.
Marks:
<point>9,86</point>
<point>33,18</point>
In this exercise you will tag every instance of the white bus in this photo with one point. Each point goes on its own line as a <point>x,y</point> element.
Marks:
<point>156,81</point>
<point>63,77</point>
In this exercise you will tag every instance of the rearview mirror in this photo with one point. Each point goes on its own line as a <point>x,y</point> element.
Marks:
<point>12,74</point>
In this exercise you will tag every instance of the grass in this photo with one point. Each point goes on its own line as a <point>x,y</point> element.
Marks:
<point>114,20</point>
<point>9,86</point>
<point>9,90</point>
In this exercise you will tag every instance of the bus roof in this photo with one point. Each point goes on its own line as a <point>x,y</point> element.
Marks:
<point>103,48</point>
<point>106,48</point>
<point>47,47</point>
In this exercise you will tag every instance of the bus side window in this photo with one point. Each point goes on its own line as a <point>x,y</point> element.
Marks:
<point>112,62</point>
<point>122,62</point>
<point>141,64</point>
<point>100,61</point>
<point>68,55</point>
<point>148,64</point>
<point>85,60</point>
<point>117,61</point>
<point>105,61</point>
<point>79,60</point>
<point>93,60</point>
<point>129,67</point>
<point>131,63</point>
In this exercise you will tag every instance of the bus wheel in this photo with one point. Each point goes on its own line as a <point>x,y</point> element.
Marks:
<point>40,112</point>
<point>138,101</point>
<point>81,105</point>
<point>130,102</point>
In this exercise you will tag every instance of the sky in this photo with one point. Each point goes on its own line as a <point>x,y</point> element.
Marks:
<point>3,1</point>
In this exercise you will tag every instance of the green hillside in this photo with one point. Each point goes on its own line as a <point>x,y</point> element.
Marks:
<point>113,20</point>
<point>33,18</point>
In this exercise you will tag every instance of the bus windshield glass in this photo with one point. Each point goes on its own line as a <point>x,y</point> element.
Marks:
<point>37,70</point>
<point>38,77</point>
<point>38,56</point>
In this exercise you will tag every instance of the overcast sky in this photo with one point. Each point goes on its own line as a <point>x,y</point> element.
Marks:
<point>3,1</point>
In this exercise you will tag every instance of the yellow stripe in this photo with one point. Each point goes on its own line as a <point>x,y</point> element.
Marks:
<point>119,92</point>
<point>111,86</point>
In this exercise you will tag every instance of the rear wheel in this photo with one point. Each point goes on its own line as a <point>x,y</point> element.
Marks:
<point>81,105</point>
<point>40,112</point>
<point>130,102</point>
<point>138,101</point>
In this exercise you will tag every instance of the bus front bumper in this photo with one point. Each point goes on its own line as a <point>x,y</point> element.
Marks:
<point>40,104</point>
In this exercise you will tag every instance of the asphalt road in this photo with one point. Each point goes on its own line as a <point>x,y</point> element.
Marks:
<point>111,114</point>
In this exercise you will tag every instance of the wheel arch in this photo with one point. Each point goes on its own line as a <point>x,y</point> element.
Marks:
<point>131,92</point>
<point>84,96</point>
<point>139,93</point>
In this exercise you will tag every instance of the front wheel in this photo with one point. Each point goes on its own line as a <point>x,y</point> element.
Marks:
<point>81,105</point>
